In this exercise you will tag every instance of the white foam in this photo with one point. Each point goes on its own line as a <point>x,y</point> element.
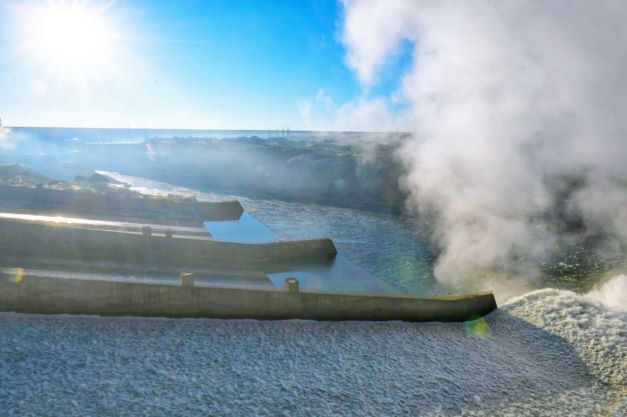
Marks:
<point>547,353</point>
<point>156,188</point>
<point>598,334</point>
<point>612,294</point>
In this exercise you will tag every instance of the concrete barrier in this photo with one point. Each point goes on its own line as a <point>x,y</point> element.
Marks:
<point>56,296</point>
<point>24,243</point>
<point>113,203</point>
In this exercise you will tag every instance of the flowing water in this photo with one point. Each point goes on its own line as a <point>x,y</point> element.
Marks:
<point>548,352</point>
<point>394,249</point>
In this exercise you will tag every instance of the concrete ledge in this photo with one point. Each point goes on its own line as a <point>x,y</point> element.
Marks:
<point>113,203</point>
<point>26,242</point>
<point>58,296</point>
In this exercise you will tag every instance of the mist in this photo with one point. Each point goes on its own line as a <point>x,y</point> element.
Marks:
<point>519,110</point>
<point>5,136</point>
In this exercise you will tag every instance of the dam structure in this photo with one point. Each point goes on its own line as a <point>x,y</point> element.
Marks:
<point>114,252</point>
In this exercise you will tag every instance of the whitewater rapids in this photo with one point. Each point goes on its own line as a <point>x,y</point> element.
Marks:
<point>549,352</point>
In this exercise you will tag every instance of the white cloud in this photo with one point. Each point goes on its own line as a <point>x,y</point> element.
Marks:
<point>513,103</point>
<point>370,115</point>
<point>304,109</point>
<point>361,114</point>
<point>324,98</point>
<point>7,140</point>
<point>372,30</point>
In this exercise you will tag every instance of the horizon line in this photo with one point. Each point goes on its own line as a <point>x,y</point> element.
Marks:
<point>210,129</point>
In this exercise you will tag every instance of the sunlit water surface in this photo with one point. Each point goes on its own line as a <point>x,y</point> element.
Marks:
<point>394,249</point>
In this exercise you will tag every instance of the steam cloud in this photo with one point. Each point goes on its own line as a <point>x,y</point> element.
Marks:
<point>520,114</point>
<point>5,138</point>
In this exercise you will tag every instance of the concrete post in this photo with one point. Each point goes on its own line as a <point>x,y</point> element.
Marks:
<point>187,279</point>
<point>291,284</point>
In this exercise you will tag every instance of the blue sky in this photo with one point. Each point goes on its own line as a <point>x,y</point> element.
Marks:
<point>197,64</point>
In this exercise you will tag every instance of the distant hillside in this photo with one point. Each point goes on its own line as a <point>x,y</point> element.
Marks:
<point>315,171</point>
<point>19,175</point>
<point>16,174</point>
<point>354,171</point>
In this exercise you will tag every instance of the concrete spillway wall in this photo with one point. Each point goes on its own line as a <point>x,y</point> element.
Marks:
<point>113,203</point>
<point>28,242</point>
<point>55,296</point>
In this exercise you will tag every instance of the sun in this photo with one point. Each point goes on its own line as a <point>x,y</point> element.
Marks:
<point>70,36</point>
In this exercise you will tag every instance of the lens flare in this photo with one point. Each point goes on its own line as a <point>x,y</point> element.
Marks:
<point>477,327</point>
<point>19,275</point>
<point>150,151</point>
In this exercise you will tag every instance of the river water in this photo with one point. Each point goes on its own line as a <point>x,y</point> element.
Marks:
<point>551,352</point>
